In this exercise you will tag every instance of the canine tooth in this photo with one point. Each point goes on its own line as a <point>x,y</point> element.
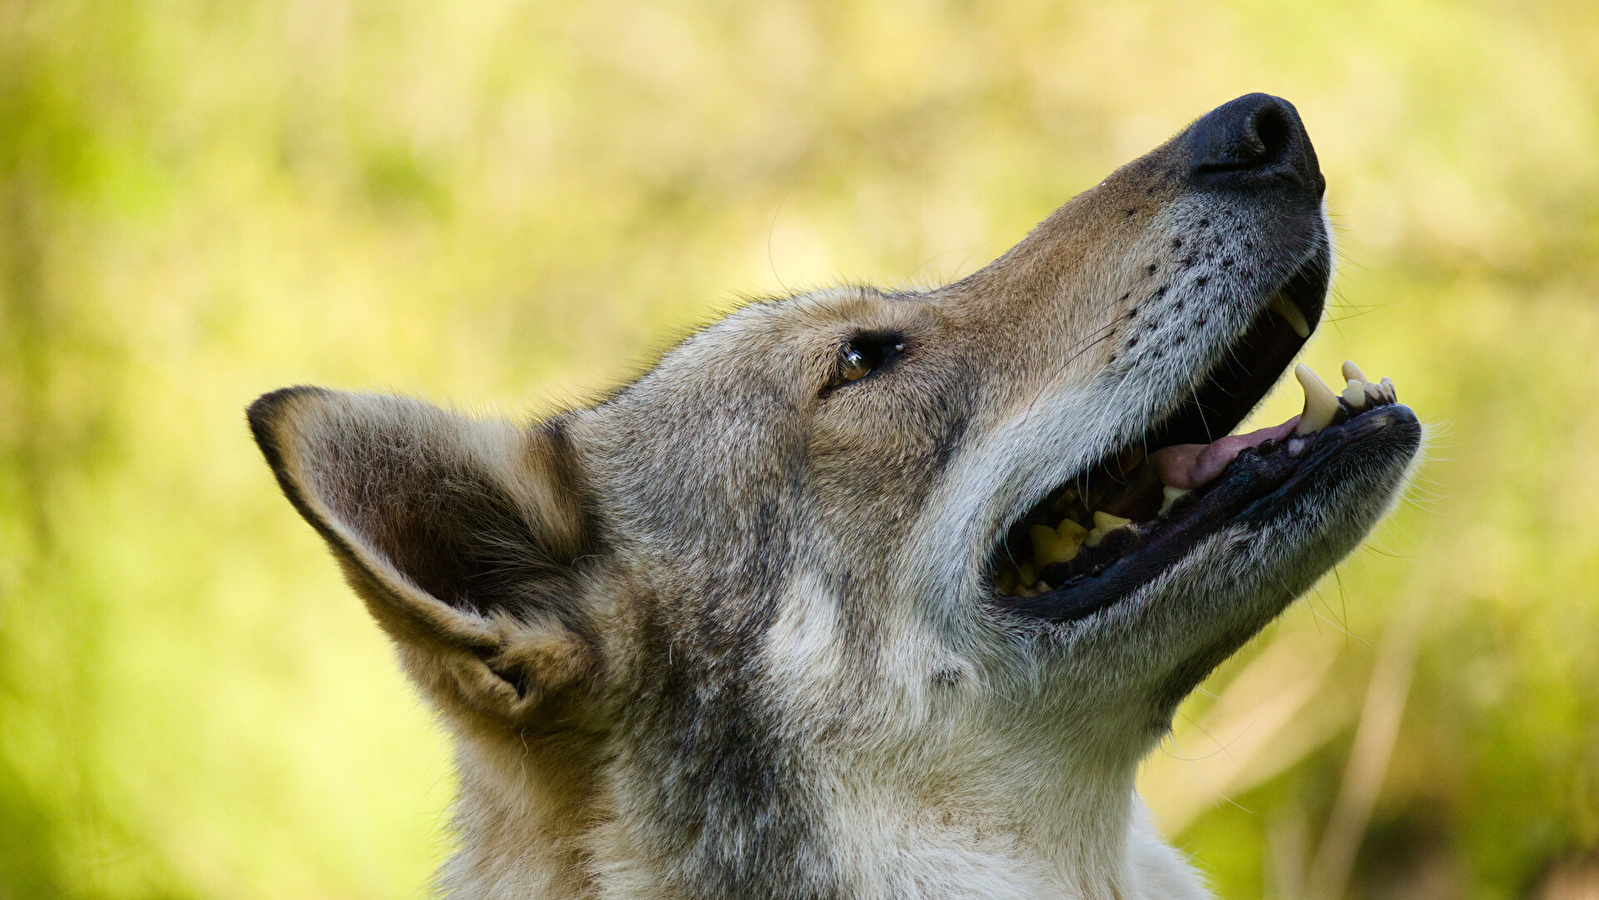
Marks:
<point>1320,402</point>
<point>1104,523</point>
<point>1170,495</point>
<point>1355,394</point>
<point>1282,306</point>
<point>1352,373</point>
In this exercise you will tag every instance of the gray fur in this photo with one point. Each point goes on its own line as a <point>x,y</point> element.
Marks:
<point>727,634</point>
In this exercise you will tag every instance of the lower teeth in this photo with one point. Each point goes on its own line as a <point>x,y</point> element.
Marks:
<point>1104,524</point>
<point>1059,544</point>
<point>1169,496</point>
<point>1063,544</point>
<point>1055,547</point>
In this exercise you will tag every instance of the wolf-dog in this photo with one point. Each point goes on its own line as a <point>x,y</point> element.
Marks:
<point>869,593</point>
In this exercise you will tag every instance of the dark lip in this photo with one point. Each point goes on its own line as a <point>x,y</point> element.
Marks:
<point>1257,360</point>
<point>1234,386</point>
<point>1254,489</point>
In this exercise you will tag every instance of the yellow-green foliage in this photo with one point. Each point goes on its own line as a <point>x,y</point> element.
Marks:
<point>514,203</point>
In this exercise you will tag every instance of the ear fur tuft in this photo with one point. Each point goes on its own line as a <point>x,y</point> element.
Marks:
<point>462,535</point>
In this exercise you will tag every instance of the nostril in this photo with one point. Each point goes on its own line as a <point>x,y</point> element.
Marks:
<point>1254,135</point>
<point>1271,133</point>
<point>1252,141</point>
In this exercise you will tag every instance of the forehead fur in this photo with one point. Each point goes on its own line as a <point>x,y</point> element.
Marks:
<point>732,632</point>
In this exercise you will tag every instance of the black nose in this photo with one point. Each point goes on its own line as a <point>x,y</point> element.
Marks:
<point>1254,140</point>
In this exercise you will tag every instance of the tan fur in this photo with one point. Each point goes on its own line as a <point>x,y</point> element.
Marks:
<point>729,633</point>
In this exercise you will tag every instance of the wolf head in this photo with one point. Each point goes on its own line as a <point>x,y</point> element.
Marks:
<point>778,619</point>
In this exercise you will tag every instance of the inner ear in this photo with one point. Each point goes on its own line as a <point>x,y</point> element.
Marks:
<point>452,524</point>
<point>463,536</point>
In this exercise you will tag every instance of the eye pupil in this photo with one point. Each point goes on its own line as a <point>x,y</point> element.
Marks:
<point>864,354</point>
<point>855,366</point>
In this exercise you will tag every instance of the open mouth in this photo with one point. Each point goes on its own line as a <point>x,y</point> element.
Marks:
<point>1118,524</point>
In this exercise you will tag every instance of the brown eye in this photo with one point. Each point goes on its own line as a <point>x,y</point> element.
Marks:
<point>865,354</point>
<point>854,365</point>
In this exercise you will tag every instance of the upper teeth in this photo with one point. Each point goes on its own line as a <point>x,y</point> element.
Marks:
<point>1289,310</point>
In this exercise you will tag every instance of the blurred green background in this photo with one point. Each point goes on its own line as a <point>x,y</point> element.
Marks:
<point>512,205</point>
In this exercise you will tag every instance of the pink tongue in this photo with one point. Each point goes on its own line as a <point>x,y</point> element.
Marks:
<point>1188,466</point>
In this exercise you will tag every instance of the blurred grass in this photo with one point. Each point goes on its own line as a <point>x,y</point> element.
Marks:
<point>516,203</point>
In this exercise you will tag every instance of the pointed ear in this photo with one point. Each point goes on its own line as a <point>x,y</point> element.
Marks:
<point>461,535</point>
